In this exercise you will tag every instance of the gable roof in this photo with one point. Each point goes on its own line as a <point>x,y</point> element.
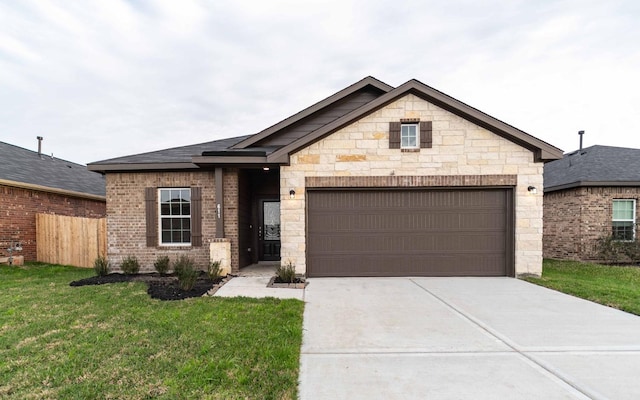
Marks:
<point>594,166</point>
<point>369,81</point>
<point>542,151</point>
<point>25,168</point>
<point>275,144</point>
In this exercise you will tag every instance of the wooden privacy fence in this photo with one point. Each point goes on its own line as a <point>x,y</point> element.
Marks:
<point>70,240</point>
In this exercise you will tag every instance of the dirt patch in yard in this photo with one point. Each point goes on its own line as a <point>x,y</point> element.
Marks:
<point>162,287</point>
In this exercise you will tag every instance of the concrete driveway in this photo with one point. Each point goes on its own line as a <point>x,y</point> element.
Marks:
<point>463,338</point>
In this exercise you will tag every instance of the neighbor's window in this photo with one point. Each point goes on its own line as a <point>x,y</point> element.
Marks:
<point>409,136</point>
<point>624,219</point>
<point>175,216</point>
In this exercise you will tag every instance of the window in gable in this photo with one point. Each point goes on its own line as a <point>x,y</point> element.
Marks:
<point>409,136</point>
<point>624,219</point>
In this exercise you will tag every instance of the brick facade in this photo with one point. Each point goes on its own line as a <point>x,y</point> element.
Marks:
<point>574,219</point>
<point>18,209</point>
<point>459,148</point>
<point>126,221</point>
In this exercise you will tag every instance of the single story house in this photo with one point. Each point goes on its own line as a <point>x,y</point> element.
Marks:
<point>33,183</point>
<point>371,181</point>
<point>590,194</point>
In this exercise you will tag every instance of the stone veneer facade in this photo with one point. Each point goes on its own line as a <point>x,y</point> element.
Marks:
<point>460,147</point>
<point>574,220</point>
<point>126,219</point>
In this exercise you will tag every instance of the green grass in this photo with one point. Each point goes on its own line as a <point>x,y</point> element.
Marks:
<point>613,286</point>
<point>114,342</point>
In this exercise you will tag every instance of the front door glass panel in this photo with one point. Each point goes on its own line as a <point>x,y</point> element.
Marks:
<point>271,220</point>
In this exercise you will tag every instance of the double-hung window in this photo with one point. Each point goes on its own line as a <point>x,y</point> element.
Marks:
<point>409,136</point>
<point>624,220</point>
<point>175,216</point>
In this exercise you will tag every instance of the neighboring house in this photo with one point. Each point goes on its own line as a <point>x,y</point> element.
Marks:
<point>33,183</point>
<point>371,181</point>
<point>590,194</point>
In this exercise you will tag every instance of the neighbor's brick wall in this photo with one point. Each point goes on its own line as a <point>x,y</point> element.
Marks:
<point>126,224</point>
<point>459,148</point>
<point>574,219</point>
<point>561,233</point>
<point>18,209</point>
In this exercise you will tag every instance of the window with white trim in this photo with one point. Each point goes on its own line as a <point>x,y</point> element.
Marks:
<point>409,136</point>
<point>175,216</point>
<point>624,219</point>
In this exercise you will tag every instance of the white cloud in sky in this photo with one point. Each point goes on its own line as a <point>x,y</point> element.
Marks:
<point>105,78</point>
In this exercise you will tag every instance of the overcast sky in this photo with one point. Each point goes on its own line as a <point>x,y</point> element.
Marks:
<point>105,78</point>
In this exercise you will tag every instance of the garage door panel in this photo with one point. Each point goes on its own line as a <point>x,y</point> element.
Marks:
<point>418,222</point>
<point>407,232</point>
<point>438,265</point>
<point>368,243</point>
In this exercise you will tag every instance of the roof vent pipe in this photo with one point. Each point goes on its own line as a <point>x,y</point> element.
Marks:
<point>39,145</point>
<point>581,133</point>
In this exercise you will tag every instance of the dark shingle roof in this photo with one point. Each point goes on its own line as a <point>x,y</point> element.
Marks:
<point>181,154</point>
<point>26,166</point>
<point>594,166</point>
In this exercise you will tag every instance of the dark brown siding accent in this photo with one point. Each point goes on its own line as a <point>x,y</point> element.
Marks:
<point>394,135</point>
<point>151,211</point>
<point>196,216</point>
<point>426,137</point>
<point>409,232</point>
<point>320,118</point>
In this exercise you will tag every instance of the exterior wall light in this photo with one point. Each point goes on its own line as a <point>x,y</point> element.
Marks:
<point>292,194</point>
<point>532,189</point>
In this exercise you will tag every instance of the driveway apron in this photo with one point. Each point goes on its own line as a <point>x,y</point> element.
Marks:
<point>463,338</point>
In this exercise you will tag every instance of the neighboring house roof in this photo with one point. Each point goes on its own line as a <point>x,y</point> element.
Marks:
<point>25,168</point>
<point>275,144</point>
<point>594,166</point>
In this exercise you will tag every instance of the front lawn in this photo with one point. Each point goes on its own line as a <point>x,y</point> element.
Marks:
<point>113,341</point>
<point>613,286</point>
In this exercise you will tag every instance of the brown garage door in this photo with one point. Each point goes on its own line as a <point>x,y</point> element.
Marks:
<point>410,233</point>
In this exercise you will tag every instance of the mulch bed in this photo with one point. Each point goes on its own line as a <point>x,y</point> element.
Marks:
<point>162,287</point>
<point>276,282</point>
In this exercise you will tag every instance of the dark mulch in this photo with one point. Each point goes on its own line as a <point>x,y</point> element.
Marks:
<point>162,287</point>
<point>296,280</point>
<point>276,282</point>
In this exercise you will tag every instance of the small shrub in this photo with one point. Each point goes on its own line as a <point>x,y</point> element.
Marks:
<point>101,266</point>
<point>186,272</point>
<point>286,273</point>
<point>130,265</point>
<point>614,251</point>
<point>162,265</point>
<point>215,270</point>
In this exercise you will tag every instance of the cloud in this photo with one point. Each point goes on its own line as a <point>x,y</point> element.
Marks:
<point>108,78</point>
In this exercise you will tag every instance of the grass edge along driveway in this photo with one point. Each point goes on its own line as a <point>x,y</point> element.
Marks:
<point>613,286</point>
<point>113,341</point>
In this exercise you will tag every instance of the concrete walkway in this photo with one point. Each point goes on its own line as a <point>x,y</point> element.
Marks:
<point>463,338</point>
<point>252,282</point>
